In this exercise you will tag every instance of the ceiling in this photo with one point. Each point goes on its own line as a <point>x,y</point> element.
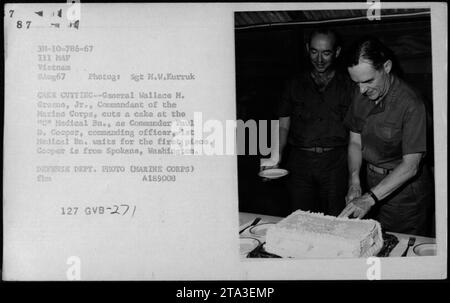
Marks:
<point>273,18</point>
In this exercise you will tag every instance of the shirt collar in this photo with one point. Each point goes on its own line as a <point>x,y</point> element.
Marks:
<point>329,80</point>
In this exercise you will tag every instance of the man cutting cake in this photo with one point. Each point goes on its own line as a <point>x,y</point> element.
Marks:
<point>387,122</point>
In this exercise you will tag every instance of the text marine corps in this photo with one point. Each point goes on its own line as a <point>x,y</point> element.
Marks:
<point>146,169</point>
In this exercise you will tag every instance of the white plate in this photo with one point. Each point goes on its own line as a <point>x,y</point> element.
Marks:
<point>273,173</point>
<point>246,245</point>
<point>425,249</point>
<point>260,229</point>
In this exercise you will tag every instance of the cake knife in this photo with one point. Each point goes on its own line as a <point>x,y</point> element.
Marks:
<point>411,242</point>
<point>253,224</point>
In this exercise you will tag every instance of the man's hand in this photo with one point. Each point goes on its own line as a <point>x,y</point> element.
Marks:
<point>358,207</point>
<point>354,192</point>
<point>267,164</point>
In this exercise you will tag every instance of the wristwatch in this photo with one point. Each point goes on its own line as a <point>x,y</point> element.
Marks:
<point>370,192</point>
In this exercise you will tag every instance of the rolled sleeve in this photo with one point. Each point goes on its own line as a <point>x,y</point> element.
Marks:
<point>414,137</point>
<point>354,118</point>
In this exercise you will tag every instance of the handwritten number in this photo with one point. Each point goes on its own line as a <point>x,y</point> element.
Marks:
<point>116,210</point>
<point>128,207</point>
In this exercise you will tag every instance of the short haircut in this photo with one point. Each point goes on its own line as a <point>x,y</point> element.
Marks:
<point>369,49</point>
<point>327,32</point>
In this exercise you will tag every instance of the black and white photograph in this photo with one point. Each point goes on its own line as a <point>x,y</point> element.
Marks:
<point>353,95</point>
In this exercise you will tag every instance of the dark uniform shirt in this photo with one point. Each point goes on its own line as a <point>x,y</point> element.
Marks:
<point>396,126</point>
<point>316,116</point>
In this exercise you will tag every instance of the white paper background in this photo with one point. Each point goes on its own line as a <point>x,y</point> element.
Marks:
<point>182,231</point>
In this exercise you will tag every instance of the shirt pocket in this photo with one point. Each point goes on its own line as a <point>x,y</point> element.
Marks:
<point>390,134</point>
<point>301,112</point>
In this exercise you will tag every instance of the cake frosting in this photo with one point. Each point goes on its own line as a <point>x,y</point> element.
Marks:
<point>315,235</point>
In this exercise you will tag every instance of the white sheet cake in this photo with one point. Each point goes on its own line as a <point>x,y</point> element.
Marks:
<point>314,235</point>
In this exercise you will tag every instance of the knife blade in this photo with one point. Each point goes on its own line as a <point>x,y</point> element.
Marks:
<point>253,224</point>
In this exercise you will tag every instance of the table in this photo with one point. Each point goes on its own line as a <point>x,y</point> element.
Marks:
<point>245,219</point>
